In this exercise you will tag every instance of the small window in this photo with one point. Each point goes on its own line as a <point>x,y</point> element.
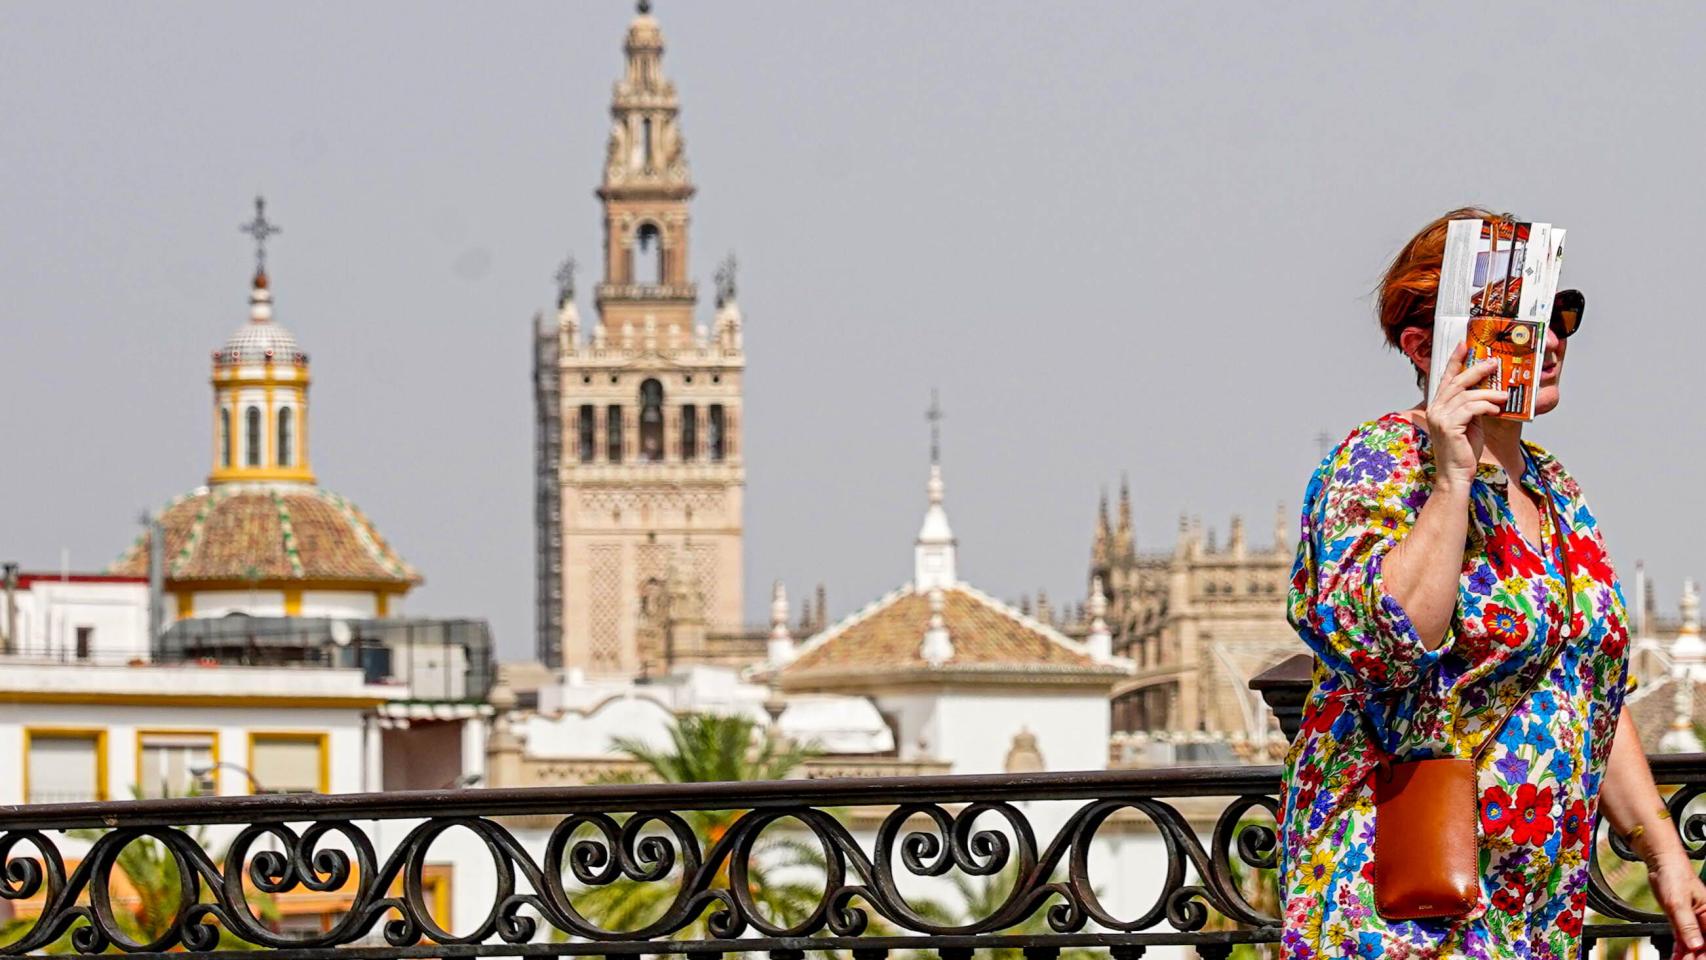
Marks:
<point>613,433</point>
<point>689,432</point>
<point>651,421</point>
<point>587,441</point>
<point>85,639</point>
<point>714,437</point>
<point>225,436</point>
<point>288,762</point>
<point>252,437</point>
<point>172,764</point>
<point>286,436</point>
<point>65,766</point>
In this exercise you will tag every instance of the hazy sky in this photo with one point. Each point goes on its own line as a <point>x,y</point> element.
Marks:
<point>1118,236</point>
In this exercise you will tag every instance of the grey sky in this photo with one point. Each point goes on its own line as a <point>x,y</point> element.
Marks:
<point>1118,236</point>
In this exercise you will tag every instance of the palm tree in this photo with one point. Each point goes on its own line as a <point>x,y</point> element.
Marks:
<point>707,748</point>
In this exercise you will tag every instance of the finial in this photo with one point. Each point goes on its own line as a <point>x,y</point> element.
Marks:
<point>643,7</point>
<point>938,646</point>
<point>566,281</point>
<point>1099,640</point>
<point>726,280</point>
<point>260,229</point>
<point>934,415</point>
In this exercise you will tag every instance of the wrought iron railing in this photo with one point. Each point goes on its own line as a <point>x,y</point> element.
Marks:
<point>702,845</point>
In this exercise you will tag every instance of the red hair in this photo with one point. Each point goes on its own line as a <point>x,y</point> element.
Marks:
<point>1411,285</point>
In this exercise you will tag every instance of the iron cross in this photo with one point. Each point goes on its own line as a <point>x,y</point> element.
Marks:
<point>934,415</point>
<point>260,229</point>
<point>566,281</point>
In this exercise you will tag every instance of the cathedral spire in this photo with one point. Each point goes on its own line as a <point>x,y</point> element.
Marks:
<point>1125,541</point>
<point>1099,545</point>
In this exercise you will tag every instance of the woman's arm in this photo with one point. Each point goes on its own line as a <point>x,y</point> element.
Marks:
<point>1629,799</point>
<point>1422,571</point>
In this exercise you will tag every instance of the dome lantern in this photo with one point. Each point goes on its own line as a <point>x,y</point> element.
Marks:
<point>260,388</point>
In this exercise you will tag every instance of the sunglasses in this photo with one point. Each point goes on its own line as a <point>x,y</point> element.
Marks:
<point>1567,309</point>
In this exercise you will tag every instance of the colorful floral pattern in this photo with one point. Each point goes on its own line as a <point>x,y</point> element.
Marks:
<point>1539,781</point>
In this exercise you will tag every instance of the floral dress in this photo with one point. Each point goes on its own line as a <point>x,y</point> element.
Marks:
<point>1539,783</point>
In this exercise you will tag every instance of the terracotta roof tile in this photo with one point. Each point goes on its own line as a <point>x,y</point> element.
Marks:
<point>268,534</point>
<point>984,632</point>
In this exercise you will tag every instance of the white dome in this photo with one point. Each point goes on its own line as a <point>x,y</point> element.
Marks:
<point>260,339</point>
<point>257,342</point>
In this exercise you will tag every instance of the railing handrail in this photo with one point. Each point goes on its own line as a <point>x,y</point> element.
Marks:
<point>1194,781</point>
<point>1200,781</point>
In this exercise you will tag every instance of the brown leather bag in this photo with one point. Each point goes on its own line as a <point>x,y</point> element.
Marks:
<point>1427,818</point>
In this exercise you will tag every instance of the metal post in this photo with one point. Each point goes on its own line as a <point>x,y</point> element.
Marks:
<point>156,580</point>
<point>11,639</point>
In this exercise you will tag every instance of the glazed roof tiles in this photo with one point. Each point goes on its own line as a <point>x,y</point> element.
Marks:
<point>987,635</point>
<point>268,533</point>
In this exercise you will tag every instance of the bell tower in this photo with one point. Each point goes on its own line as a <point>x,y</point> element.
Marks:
<point>645,192</point>
<point>646,409</point>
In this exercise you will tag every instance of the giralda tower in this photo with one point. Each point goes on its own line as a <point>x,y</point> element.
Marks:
<point>640,474</point>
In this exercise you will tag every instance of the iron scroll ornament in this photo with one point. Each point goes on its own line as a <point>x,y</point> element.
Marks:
<point>925,827</point>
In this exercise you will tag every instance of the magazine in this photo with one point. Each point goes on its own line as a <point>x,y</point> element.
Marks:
<point>1495,291</point>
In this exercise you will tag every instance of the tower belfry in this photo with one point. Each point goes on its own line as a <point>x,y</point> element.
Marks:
<point>640,467</point>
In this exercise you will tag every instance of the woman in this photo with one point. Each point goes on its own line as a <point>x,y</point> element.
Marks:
<point>1429,582</point>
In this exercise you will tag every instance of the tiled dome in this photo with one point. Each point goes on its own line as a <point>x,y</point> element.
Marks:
<point>270,534</point>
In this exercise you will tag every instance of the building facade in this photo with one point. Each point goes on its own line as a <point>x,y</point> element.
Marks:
<point>1198,621</point>
<point>640,469</point>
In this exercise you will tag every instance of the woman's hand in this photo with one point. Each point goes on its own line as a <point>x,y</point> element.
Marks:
<point>1682,897</point>
<point>1452,430</point>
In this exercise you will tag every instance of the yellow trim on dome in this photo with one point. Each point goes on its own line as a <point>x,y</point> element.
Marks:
<point>240,474</point>
<point>293,603</point>
<point>186,604</point>
<point>381,604</point>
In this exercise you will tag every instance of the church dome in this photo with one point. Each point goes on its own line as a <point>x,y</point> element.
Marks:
<point>260,340</point>
<point>270,534</point>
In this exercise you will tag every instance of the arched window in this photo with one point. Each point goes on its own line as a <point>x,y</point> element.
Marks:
<point>689,432</point>
<point>651,421</point>
<point>225,436</point>
<point>252,437</point>
<point>613,433</point>
<point>588,445</point>
<point>646,143</point>
<point>286,436</point>
<point>714,436</point>
<point>648,254</point>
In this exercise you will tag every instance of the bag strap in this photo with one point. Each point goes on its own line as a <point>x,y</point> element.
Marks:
<point>1561,544</point>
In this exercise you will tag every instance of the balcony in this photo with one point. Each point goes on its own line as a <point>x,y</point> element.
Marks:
<point>702,854</point>
<point>650,292</point>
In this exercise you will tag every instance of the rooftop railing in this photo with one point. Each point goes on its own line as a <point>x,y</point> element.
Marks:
<point>702,854</point>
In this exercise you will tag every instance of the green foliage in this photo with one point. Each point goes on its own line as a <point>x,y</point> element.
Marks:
<point>707,748</point>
